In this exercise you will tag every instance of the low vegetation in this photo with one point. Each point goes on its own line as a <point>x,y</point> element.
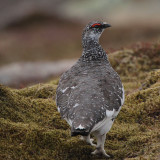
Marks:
<point>31,127</point>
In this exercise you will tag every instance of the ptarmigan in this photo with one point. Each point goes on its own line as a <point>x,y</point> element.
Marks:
<point>90,94</point>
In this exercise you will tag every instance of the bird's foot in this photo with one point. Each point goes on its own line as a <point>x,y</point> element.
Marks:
<point>101,152</point>
<point>88,140</point>
<point>82,138</point>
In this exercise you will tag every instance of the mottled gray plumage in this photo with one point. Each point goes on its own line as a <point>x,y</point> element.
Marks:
<point>90,94</point>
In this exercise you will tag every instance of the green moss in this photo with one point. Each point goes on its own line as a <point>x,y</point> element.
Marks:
<point>39,91</point>
<point>31,127</point>
<point>153,78</point>
<point>137,61</point>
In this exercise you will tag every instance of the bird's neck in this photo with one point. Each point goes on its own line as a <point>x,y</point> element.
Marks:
<point>92,50</point>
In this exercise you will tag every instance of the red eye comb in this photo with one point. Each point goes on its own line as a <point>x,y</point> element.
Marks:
<point>96,24</point>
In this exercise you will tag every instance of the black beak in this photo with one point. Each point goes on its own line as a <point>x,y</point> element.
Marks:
<point>106,26</point>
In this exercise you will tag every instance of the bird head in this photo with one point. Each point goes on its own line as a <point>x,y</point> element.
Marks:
<point>94,29</point>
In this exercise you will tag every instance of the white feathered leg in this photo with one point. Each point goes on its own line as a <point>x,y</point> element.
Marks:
<point>88,140</point>
<point>100,145</point>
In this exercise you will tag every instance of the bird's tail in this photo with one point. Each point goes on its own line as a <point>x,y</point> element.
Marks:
<point>82,123</point>
<point>79,130</point>
<point>81,126</point>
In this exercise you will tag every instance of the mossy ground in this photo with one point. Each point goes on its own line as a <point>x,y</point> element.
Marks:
<point>31,127</point>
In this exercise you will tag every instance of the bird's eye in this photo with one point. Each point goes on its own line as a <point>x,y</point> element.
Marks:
<point>96,25</point>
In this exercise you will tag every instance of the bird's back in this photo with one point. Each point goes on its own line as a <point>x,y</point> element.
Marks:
<point>86,91</point>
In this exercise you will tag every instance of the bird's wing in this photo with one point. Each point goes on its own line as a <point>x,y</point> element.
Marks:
<point>112,90</point>
<point>66,84</point>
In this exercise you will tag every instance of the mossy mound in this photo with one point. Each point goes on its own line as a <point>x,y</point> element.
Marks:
<point>136,61</point>
<point>31,127</point>
<point>152,79</point>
